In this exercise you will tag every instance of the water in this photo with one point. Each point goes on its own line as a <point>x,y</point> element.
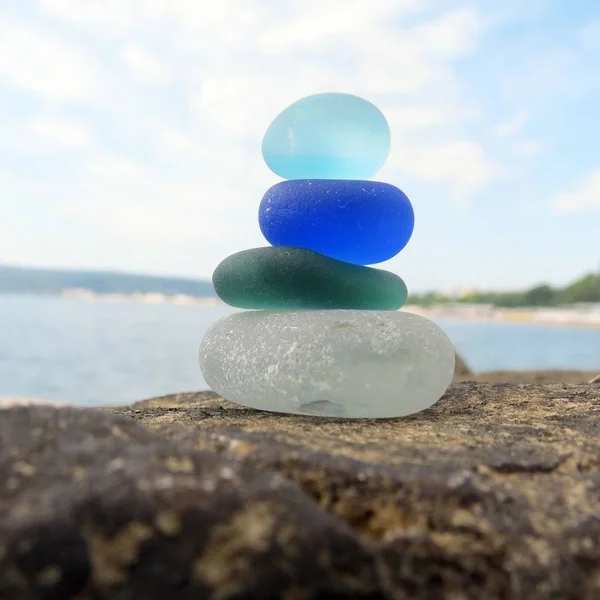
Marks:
<point>92,353</point>
<point>508,346</point>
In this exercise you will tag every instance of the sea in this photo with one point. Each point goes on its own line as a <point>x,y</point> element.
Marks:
<point>91,353</point>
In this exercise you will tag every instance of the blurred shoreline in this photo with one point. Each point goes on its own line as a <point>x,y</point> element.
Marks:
<point>581,315</point>
<point>147,298</point>
<point>578,316</point>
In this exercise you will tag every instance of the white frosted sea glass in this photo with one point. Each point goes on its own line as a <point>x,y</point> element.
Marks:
<point>336,363</point>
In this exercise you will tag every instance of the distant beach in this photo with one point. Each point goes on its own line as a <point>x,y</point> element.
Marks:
<point>573,316</point>
<point>148,298</point>
<point>577,316</point>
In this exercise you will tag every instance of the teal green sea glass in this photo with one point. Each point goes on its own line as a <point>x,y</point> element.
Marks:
<point>327,136</point>
<point>295,278</point>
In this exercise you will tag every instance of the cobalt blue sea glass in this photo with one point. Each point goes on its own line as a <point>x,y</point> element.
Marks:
<point>361,222</point>
<point>327,136</point>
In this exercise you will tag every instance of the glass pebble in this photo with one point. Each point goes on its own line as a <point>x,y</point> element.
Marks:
<point>362,222</point>
<point>282,277</point>
<point>335,363</point>
<point>327,136</point>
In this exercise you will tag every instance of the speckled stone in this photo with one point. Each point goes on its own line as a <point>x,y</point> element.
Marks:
<point>95,507</point>
<point>490,493</point>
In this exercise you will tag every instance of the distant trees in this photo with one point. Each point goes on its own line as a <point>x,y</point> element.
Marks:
<point>541,295</point>
<point>586,289</point>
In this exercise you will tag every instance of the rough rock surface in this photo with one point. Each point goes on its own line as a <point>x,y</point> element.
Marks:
<point>94,506</point>
<point>492,493</point>
<point>539,376</point>
<point>460,368</point>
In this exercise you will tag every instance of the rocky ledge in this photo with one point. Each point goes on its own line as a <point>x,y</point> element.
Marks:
<point>492,493</point>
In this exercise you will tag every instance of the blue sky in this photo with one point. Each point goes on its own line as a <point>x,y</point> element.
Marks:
<point>130,130</point>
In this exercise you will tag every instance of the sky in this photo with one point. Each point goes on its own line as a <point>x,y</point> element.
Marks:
<point>130,130</point>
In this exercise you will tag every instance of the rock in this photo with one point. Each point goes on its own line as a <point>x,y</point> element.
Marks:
<point>93,506</point>
<point>342,363</point>
<point>460,367</point>
<point>295,278</point>
<point>362,222</point>
<point>491,494</point>
<point>327,136</point>
<point>540,376</point>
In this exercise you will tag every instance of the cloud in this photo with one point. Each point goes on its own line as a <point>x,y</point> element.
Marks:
<point>316,25</point>
<point>461,165</point>
<point>529,148</point>
<point>453,34</point>
<point>177,165</point>
<point>584,196</point>
<point>512,126</point>
<point>590,35</point>
<point>117,168</point>
<point>510,130</point>
<point>144,67</point>
<point>35,60</point>
<point>61,131</point>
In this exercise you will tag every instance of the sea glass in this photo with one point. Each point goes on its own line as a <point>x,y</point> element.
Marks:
<point>362,222</point>
<point>336,363</point>
<point>295,278</point>
<point>329,136</point>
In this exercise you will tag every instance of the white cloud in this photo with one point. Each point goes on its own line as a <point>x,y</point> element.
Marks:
<point>61,131</point>
<point>38,61</point>
<point>225,20</point>
<point>407,117</point>
<point>512,126</point>
<point>144,67</point>
<point>147,205</point>
<point>453,34</point>
<point>119,169</point>
<point>315,25</point>
<point>13,188</point>
<point>179,165</point>
<point>590,35</point>
<point>529,148</point>
<point>585,195</point>
<point>461,165</point>
<point>113,12</point>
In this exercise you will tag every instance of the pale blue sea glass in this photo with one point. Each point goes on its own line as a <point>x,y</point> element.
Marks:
<point>327,136</point>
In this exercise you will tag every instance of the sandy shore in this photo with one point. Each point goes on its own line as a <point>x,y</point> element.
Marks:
<point>579,316</point>
<point>562,317</point>
<point>10,401</point>
<point>150,298</point>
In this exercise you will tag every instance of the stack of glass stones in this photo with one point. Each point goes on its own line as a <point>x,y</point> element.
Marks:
<point>324,336</point>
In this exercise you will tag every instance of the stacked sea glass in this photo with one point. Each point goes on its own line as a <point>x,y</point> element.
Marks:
<point>325,336</point>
